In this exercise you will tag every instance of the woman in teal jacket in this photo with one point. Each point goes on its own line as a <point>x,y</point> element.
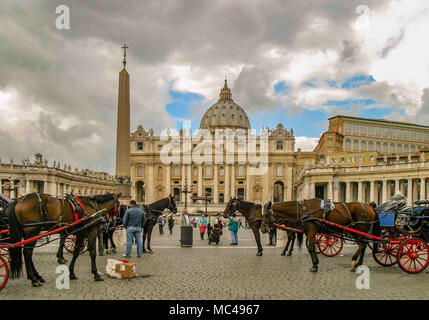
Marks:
<point>233,228</point>
<point>203,225</point>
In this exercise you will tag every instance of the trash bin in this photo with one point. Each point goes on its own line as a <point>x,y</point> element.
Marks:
<point>186,236</point>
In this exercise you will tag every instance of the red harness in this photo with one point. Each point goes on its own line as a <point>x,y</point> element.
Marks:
<point>76,216</point>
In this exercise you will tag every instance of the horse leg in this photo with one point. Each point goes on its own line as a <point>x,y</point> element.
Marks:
<point>60,252</point>
<point>358,254</point>
<point>144,239</point>
<point>149,235</point>
<point>28,253</point>
<point>92,239</point>
<point>311,246</point>
<point>255,230</point>
<point>76,252</point>
<point>293,238</point>
<point>36,274</point>
<point>289,238</point>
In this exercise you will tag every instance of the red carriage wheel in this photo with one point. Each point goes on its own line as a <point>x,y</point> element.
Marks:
<point>329,245</point>
<point>4,273</point>
<point>413,255</point>
<point>386,254</point>
<point>70,243</point>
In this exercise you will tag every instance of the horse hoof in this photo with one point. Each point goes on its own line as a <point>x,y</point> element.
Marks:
<point>62,261</point>
<point>98,278</point>
<point>41,280</point>
<point>283,254</point>
<point>313,269</point>
<point>259,254</point>
<point>289,254</point>
<point>36,284</point>
<point>73,277</point>
<point>150,252</point>
<point>353,270</point>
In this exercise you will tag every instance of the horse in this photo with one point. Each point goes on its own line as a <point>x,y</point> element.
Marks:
<point>153,211</point>
<point>33,213</point>
<point>307,213</point>
<point>291,234</point>
<point>253,214</point>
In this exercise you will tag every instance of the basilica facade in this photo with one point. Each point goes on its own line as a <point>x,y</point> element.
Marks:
<point>356,159</point>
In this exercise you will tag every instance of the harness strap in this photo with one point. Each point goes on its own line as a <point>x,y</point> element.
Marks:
<point>42,208</point>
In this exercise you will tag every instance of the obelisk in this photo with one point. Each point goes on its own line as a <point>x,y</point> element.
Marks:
<point>123,125</point>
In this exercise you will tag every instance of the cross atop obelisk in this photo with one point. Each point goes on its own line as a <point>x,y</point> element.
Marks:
<point>124,62</point>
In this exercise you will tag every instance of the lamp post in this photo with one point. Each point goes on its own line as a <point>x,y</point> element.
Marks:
<point>185,190</point>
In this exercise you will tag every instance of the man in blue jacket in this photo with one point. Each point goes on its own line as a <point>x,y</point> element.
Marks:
<point>134,220</point>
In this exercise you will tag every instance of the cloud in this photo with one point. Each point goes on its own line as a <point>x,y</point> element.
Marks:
<point>306,143</point>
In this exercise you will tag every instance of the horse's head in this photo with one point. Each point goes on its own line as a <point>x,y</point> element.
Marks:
<point>172,204</point>
<point>268,218</point>
<point>109,202</point>
<point>231,207</point>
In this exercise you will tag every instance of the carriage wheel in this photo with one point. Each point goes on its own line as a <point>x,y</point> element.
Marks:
<point>329,245</point>
<point>4,253</point>
<point>316,242</point>
<point>386,254</point>
<point>70,243</point>
<point>413,255</point>
<point>4,273</point>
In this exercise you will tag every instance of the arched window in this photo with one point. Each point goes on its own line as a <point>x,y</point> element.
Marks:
<point>363,146</point>
<point>399,148</point>
<point>241,171</point>
<point>392,148</point>
<point>195,172</point>
<point>356,145</point>
<point>221,171</point>
<point>371,146</point>
<point>348,144</point>
<point>406,148</point>
<point>413,148</point>
<point>385,147</point>
<point>208,171</point>
<point>378,146</point>
<point>140,171</point>
<point>177,171</point>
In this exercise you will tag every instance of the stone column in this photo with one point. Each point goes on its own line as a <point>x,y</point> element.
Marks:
<point>227,194</point>
<point>385,191</point>
<point>27,186</point>
<point>151,188</point>
<point>200,180</point>
<point>233,180</point>
<point>168,181</point>
<point>360,191</point>
<point>289,184</point>
<point>183,169</point>
<point>215,184</point>
<point>329,193</point>
<point>348,191</point>
<point>312,190</point>
<point>422,188</point>
<point>410,192</point>
<point>189,179</point>
<point>372,191</point>
<point>248,184</point>
<point>397,181</point>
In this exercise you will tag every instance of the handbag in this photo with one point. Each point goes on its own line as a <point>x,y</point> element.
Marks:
<point>202,228</point>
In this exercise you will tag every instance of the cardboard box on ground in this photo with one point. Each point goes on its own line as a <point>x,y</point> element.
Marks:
<point>120,269</point>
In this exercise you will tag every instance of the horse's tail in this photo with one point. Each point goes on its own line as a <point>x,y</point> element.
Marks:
<point>16,234</point>
<point>376,228</point>
<point>300,237</point>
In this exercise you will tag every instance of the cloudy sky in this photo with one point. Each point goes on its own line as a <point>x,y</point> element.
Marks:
<point>295,62</point>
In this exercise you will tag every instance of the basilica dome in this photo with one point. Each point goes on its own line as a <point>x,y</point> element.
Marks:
<point>225,113</point>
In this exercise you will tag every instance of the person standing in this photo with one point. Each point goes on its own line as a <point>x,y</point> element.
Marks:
<point>203,225</point>
<point>210,224</point>
<point>134,221</point>
<point>170,224</point>
<point>161,224</point>
<point>233,228</point>
<point>273,236</point>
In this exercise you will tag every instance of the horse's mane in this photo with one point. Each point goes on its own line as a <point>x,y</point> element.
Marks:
<point>247,205</point>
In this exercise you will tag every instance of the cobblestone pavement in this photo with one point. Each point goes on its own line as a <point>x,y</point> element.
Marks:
<point>221,272</point>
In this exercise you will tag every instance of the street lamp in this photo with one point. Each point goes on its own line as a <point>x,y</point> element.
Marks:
<point>186,189</point>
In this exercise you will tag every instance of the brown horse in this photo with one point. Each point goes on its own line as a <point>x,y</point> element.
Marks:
<point>307,213</point>
<point>253,214</point>
<point>33,213</point>
<point>288,222</point>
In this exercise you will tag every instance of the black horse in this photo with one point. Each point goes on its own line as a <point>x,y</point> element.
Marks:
<point>153,211</point>
<point>253,214</point>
